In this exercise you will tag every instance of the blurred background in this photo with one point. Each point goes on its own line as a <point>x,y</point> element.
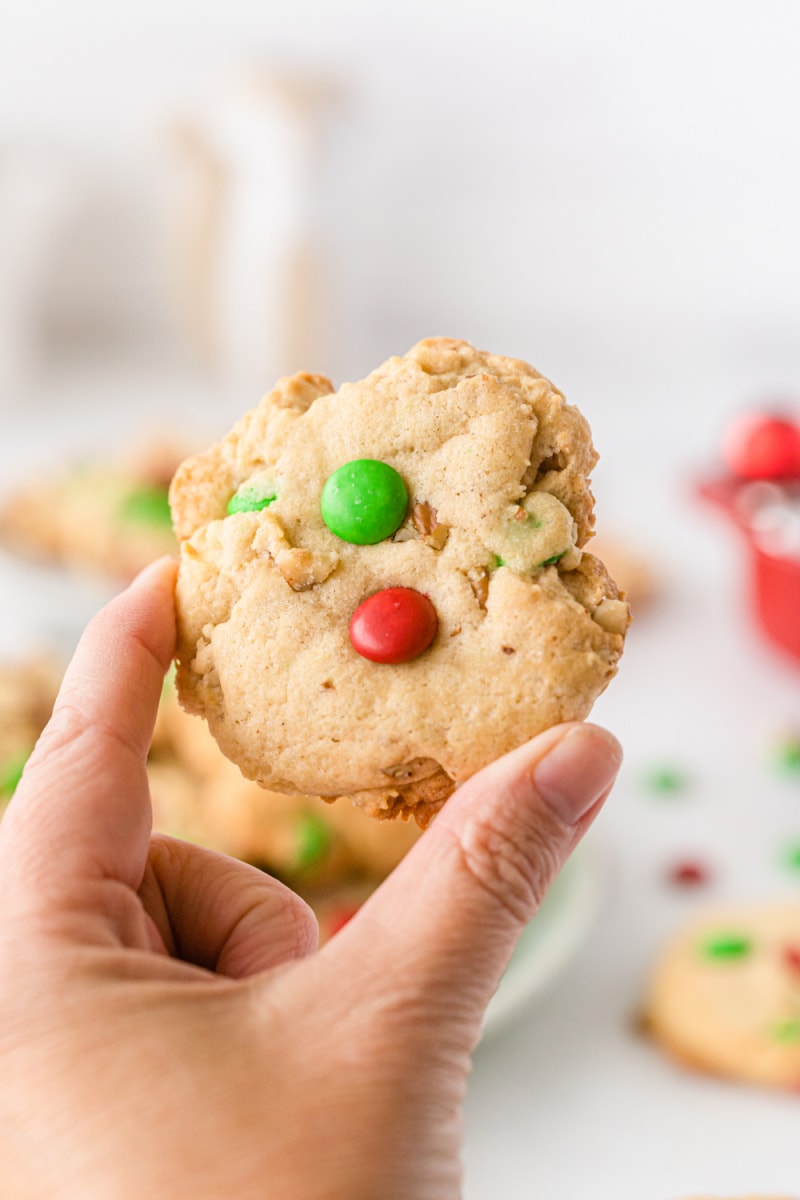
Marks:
<point>197,198</point>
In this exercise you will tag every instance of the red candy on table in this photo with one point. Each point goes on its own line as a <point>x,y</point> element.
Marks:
<point>759,446</point>
<point>689,873</point>
<point>393,626</point>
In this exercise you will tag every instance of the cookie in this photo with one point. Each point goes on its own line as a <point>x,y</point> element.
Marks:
<point>725,996</point>
<point>332,854</point>
<point>27,693</point>
<point>105,517</point>
<point>200,796</point>
<point>384,588</point>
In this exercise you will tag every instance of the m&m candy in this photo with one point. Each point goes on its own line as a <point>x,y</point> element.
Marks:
<point>393,626</point>
<point>252,497</point>
<point>728,946</point>
<point>759,446</point>
<point>364,501</point>
<point>147,505</point>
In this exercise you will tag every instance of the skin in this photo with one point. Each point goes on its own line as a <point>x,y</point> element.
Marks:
<point>168,1027</point>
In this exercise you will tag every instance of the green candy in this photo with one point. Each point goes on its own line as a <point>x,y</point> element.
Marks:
<point>364,501</point>
<point>727,946</point>
<point>11,773</point>
<point>788,756</point>
<point>252,497</point>
<point>666,780</point>
<point>147,505</point>
<point>313,840</point>
<point>787,1031</point>
<point>549,562</point>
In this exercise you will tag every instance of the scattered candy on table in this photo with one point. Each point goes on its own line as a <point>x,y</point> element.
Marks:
<point>666,780</point>
<point>791,856</point>
<point>787,755</point>
<point>689,874</point>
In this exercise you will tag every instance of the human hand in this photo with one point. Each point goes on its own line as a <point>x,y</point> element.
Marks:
<point>168,1029</point>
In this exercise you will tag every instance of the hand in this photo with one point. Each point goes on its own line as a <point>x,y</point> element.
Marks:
<point>168,1029</point>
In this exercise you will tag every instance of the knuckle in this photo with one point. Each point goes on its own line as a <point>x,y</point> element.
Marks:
<point>514,866</point>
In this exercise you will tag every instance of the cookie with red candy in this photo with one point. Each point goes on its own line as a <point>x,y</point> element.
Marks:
<point>384,588</point>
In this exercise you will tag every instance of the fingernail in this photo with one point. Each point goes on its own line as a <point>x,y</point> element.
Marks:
<point>573,776</point>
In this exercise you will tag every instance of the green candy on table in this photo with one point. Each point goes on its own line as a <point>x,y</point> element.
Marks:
<point>364,501</point>
<point>666,780</point>
<point>792,857</point>
<point>788,756</point>
<point>252,497</point>
<point>147,505</point>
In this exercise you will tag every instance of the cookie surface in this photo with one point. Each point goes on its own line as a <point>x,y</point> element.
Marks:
<point>528,628</point>
<point>725,996</point>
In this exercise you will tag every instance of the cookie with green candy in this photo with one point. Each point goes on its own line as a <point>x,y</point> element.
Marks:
<point>107,514</point>
<point>724,996</point>
<point>413,598</point>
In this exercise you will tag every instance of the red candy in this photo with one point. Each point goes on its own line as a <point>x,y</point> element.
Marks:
<point>763,447</point>
<point>393,626</point>
<point>341,917</point>
<point>791,958</point>
<point>688,874</point>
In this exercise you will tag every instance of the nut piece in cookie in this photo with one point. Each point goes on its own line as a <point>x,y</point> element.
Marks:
<point>447,497</point>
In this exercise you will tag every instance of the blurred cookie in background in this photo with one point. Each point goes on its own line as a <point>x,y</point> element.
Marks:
<point>725,995</point>
<point>331,854</point>
<point>27,692</point>
<point>107,517</point>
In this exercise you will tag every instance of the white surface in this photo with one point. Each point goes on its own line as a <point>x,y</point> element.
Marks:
<point>568,1101</point>
<point>565,918</point>
<point>506,170</point>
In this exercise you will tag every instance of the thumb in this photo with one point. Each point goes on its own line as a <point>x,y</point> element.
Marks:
<point>453,909</point>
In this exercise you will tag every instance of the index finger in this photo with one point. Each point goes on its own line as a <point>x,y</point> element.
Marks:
<point>82,808</point>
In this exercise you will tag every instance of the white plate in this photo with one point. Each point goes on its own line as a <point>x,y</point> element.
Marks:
<point>552,938</point>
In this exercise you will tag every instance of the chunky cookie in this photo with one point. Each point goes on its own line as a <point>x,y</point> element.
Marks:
<point>383,588</point>
<point>725,996</point>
